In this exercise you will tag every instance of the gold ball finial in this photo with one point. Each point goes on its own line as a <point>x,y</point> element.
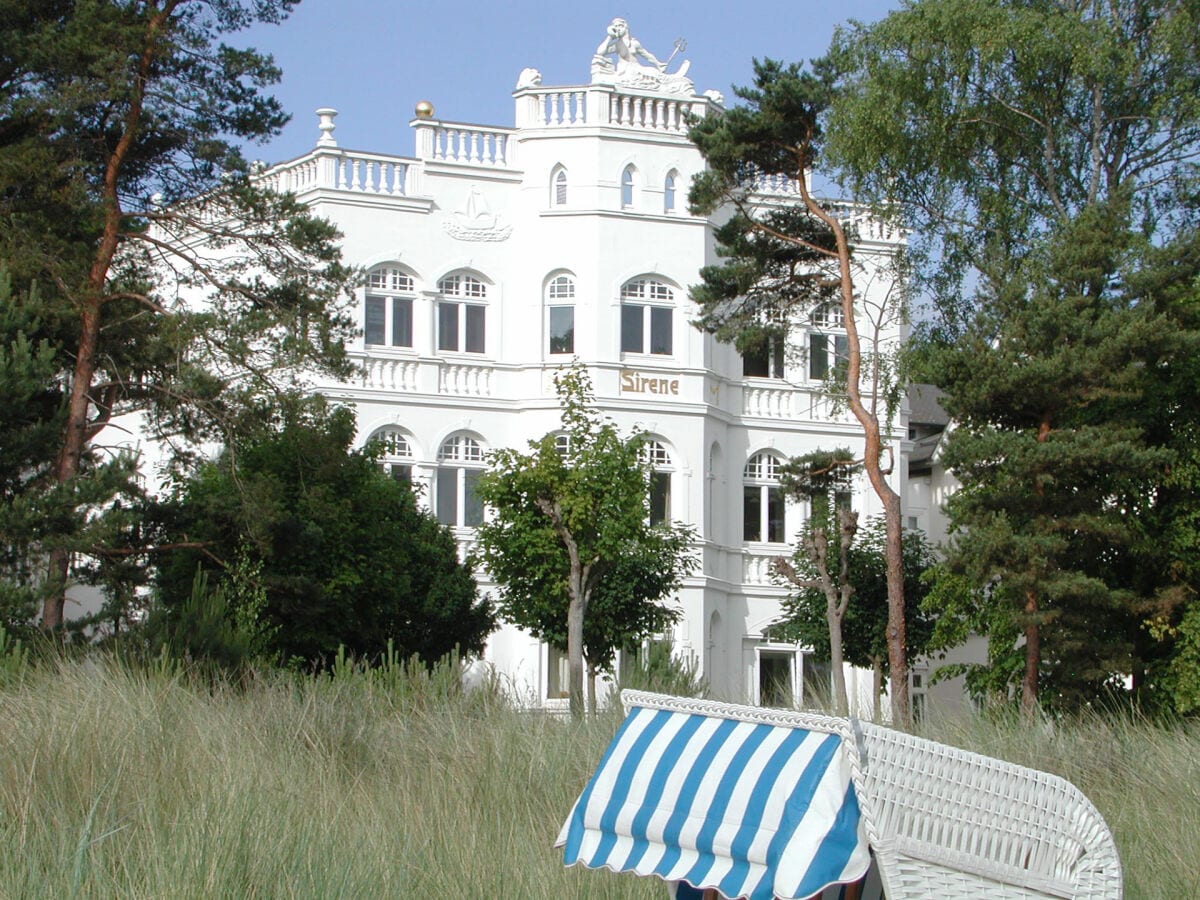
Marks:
<point>424,110</point>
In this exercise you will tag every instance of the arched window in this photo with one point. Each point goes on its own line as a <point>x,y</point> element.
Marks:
<point>460,463</point>
<point>827,344</point>
<point>461,314</point>
<point>560,314</point>
<point>656,458</point>
<point>397,458</point>
<point>762,500</point>
<point>647,317</point>
<point>669,191</point>
<point>558,187</point>
<point>388,316</point>
<point>628,185</point>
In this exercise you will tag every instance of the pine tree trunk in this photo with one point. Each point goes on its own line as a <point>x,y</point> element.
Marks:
<point>1033,653</point>
<point>876,688</point>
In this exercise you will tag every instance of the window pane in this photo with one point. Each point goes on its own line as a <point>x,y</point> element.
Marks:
<point>447,326</point>
<point>627,187</point>
<point>775,515</point>
<point>631,328</point>
<point>403,474</point>
<point>751,513</point>
<point>841,350</point>
<point>818,356</point>
<point>562,329</point>
<point>475,320</point>
<point>660,497</point>
<point>373,326</point>
<point>777,357</point>
<point>402,312</point>
<point>754,362</point>
<point>660,330</point>
<point>446,488</point>
<point>472,505</point>
<point>669,194</point>
<point>560,189</point>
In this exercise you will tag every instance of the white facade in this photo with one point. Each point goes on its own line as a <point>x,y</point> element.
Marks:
<point>497,255</point>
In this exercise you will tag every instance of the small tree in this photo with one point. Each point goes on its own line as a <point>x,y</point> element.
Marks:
<point>783,258</point>
<point>864,623</point>
<point>570,543</point>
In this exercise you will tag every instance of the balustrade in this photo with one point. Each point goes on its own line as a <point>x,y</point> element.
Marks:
<point>389,374</point>
<point>341,170</point>
<point>767,402</point>
<point>465,380</point>
<point>471,145</point>
<point>555,108</point>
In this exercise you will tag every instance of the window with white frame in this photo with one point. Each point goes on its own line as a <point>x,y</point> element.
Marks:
<point>647,317</point>
<point>658,460</point>
<point>397,458</point>
<point>388,314</point>
<point>765,359</point>
<point>462,314</point>
<point>460,463</point>
<point>762,500</point>
<point>558,187</point>
<point>669,191</point>
<point>827,343</point>
<point>560,315</point>
<point>628,187</point>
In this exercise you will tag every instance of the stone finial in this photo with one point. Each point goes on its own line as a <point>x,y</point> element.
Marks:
<point>325,116</point>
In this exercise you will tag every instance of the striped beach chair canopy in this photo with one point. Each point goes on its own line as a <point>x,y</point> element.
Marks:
<point>752,802</point>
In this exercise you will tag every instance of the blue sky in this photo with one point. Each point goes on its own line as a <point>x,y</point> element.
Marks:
<point>372,60</point>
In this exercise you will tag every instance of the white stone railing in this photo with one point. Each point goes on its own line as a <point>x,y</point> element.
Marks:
<point>343,170</point>
<point>594,105</point>
<point>767,402</point>
<point>560,107</point>
<point>756,567</point>
<point>465,380</point>
<point>472,145</point>
<point>389,374</point>
<point>869,226</point>
<point>825,408</point>
<point>652,113</point>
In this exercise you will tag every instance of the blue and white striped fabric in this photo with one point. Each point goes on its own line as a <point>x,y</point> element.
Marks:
<point>752,809</point>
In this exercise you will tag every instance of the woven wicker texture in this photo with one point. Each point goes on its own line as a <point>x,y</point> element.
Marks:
<point>948,823</point>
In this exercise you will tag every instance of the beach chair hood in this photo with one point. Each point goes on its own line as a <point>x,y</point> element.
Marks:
<point>755,803</point>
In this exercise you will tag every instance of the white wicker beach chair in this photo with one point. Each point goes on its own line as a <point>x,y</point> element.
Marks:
<point>944,822</point>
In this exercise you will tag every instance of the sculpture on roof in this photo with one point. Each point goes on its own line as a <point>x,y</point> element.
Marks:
<point>627,71</point>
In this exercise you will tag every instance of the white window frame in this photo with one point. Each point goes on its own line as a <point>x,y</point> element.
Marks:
<point>560,294</point>
<point>389,285</point>
<point>655,456</point>
<point>398,452</point>
<point>629,187</point>
<point>648,295</point>
<point>468,294</point>
<point>460,457</point>
<point>761,474</point>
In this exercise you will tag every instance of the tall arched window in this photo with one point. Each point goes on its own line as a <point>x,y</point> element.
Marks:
<point>669,191</point>
<point>647,317</point>
<point>462,314</point>
<point>560,314</point>
<point>397,457</point>
<point>628,187</point>
<point>827,343</point>
<point>460,463</point>
<point>388,317</point>
<point>558,187</point>
<point>762,500</point>
<point>656,457</point>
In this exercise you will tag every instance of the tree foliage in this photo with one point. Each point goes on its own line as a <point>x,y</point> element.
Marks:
<point>172,286</point>
<point>783,257</point>
<point>340,551</point>
<point>569,540</point>
<point>1045,154</point>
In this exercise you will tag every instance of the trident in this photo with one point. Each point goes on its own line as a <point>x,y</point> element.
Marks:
<point>680,45</point>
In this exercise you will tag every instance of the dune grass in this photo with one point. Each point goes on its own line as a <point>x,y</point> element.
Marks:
<point>117,780</point>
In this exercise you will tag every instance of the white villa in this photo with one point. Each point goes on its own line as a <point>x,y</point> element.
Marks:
<point>496,255</point>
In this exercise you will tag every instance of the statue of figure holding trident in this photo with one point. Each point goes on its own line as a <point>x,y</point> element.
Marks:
<point>628,71</point>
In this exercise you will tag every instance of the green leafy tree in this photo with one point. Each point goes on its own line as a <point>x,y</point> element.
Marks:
<point>864,623</point>
<point>1044,154</point>
<point>569,540</point>
<point>783,259</point>
<point>176,287</point>
<point>340,551</point>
